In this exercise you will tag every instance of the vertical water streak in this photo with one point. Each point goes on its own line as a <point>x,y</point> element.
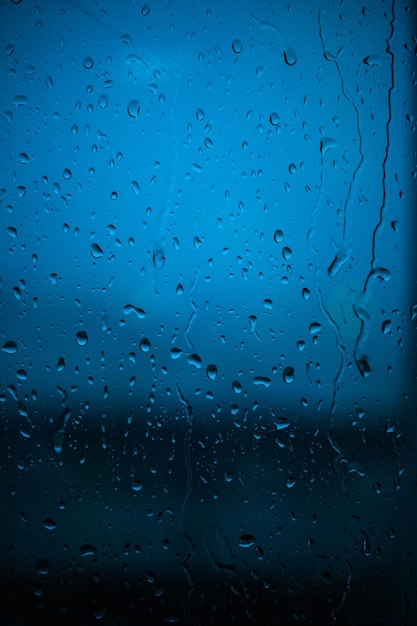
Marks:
<point>361,359</point>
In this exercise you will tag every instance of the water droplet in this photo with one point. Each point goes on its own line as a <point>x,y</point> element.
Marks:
<point>274,119</point>
<point>158,258</point>
<point>82,338</point>
<point>150,576</point>
<point>386,326</point>
<point>281,423</point>
<point>288,375</point>
<point>179,290</point>
<point>287,253</point>
<point>20,100</point>
<point>211,371</point>
<point>278,236</point>
<point>237,46</point>
<point>42,566</point>
<point>114,195</point>
<point>246,541</point>
<point>194,359</point>
<point>176,353</point>
<point>133,108</point>
<point>290,57</point>
<point>10,347</point>
<point>88,550</point>
<point>146,10</point>
<point>200,115</point>
<point>23,158</point>
<point>290,482</point>
<point>292,168</point>
<point>60,365</point>
<point>12,232</point>
<point>88,63</point>
<point>130,308</point>
<point>326,143</point>
<point>103,101</point>
<point>262,380</point>
<point>49,524</point>
<point>67,173</point>
<point>96,251</point>
<point>145,345</point>
<point>363,366</point>
<point>236,386</point>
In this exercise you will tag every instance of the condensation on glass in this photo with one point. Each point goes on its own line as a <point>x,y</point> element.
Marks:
<point>208,312</point>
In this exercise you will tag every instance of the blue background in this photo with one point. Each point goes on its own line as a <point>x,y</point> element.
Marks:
<point>208,312</point>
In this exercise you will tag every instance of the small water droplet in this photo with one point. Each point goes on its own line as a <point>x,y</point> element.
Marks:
<point>274,119</point>
<point>176,353</point>
<point>49,524</point>
<point>146,10</point>
<point>290,57</point>
<point>88,63</point>
<point>278,236</point>
<point>200,115</point>
<point>88,550</point>
<point>82,338</point>
<point>96,251</point>
<point>246,541</point>
<point>145,345</point>
<point>158,258</point>
<point>236,386</point>
<point>237,46</point>
<point>211,371</point>
<point>288,375</point>
<point>290,482</point>
<point>133,108</point>
<point>103,101</point>
<point>281,423</point>
<point>42,566</point>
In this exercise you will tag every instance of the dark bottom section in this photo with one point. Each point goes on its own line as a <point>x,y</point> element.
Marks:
<point>221,602</point>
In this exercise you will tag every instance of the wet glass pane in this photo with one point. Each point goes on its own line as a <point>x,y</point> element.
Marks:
<point>208,312</point>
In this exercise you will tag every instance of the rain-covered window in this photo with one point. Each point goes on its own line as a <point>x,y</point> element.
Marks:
<point>208,312</point>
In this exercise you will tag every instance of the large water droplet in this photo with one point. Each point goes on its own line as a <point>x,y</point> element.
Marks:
<point>10,347</point>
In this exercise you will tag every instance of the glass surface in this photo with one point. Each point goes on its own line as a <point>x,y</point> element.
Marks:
<point>208,312</point>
